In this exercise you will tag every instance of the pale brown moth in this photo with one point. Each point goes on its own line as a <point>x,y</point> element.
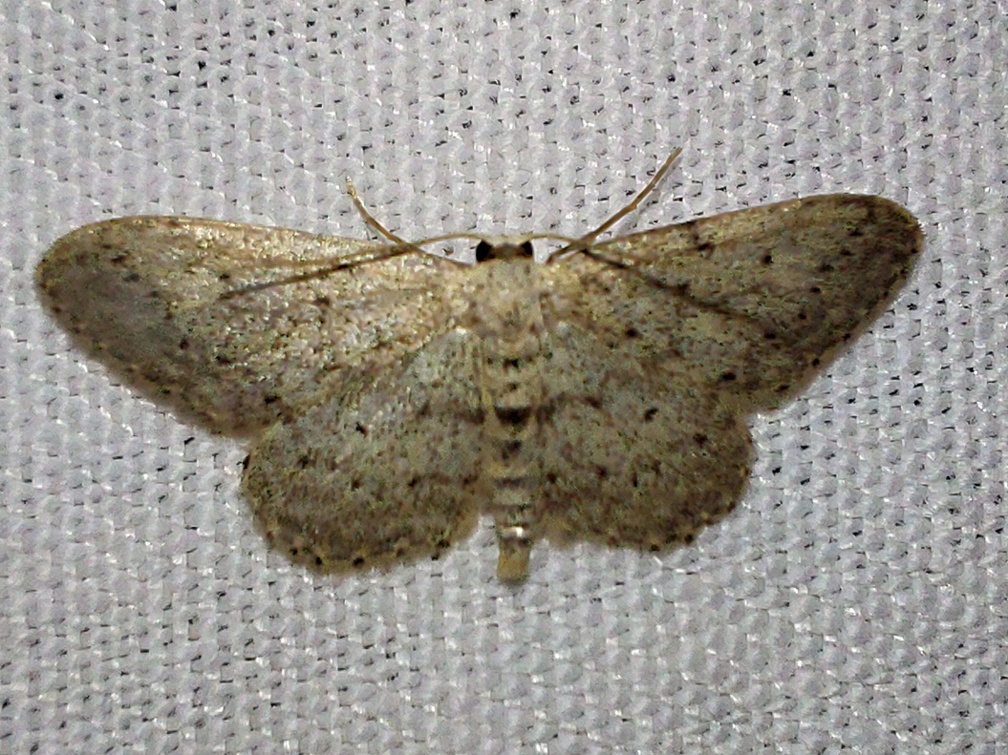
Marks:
<point>391,396</point>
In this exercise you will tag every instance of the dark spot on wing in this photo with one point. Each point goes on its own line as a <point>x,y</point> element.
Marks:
<point>513,415</point>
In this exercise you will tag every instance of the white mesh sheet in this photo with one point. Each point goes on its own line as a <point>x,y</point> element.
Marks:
<point>856,597</point>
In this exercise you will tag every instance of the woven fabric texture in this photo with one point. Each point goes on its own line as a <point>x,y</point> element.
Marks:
<point>854,600</point>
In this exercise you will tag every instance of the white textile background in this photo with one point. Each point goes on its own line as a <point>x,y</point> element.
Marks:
<point>855,599</point>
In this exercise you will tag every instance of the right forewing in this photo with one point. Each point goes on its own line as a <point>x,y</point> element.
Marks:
<point>179,307</point>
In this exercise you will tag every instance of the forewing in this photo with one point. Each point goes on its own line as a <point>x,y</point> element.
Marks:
<point>384,472</point>
<point>753,302</point>
<point>155,299</point>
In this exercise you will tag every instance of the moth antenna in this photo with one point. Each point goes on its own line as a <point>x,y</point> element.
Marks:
<point>586,241</point>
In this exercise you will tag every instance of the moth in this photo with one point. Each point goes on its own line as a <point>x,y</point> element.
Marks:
<point>391,396</point>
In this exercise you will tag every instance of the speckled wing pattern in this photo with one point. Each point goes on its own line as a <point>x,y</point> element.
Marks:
<point>149,296</point>
<point>600,397</point>
<point>724,316</point>
<point>753,302</point>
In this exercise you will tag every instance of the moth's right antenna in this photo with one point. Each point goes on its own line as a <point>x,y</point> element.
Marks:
<point>369,218</point>
<point>585,241</point>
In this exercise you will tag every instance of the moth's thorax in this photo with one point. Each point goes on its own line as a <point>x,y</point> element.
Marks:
<point>506,298</point>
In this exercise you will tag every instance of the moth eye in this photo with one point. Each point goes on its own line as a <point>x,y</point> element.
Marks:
<point>484,251</point>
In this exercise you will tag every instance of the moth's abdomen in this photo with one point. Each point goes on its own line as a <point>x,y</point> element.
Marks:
<point>512,394</point>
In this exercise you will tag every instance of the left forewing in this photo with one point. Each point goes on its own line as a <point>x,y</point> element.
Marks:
<point>757,301</point>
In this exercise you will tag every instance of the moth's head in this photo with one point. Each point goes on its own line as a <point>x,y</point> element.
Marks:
<point>503,249</point>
